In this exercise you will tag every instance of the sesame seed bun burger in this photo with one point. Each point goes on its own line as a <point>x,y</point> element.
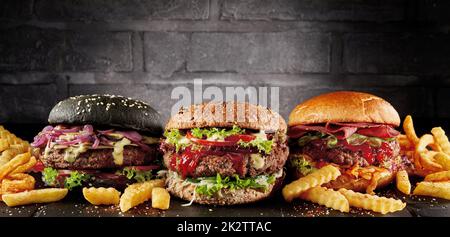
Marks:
<point>99,140</point>
<point>354,131</point>
<point>224,153</point>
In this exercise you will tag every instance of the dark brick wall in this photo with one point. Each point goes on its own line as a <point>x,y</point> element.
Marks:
<point>51,49</point>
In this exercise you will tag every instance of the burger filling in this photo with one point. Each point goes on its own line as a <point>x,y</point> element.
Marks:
<point>80,155</point>
<point>348,145</point>
<point>224,158</point>
<point>362,150</point>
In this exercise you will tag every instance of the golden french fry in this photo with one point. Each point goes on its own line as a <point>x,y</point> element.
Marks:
<point>424,141</point>
<point>326,197</point>
<point>402,180</point>
<point>433,189</point>
<point>13,164</point>
<point>317,178</point>
<point>3,145</point>
<point>21,146</point>
<point>405,143</point>
<point>25,167</point>
<point>408,127</point>
<point>160,198</point>
<point>439,176</point>
<point>443,159</point>
<point>374,203</point>
<point>427,161</point>
<point>138,193</point>
<point>102,196</point>
<point>34,196</point>
<point>435,147</point>
<point>421,172</point>
<point>7,156</point>
<point>441,139</point>
<point>16,183</point>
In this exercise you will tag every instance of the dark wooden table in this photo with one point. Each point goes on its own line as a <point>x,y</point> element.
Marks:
<point>75,206</point>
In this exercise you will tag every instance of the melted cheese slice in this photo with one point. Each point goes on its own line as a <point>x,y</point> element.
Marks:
<point>118,150</point>
<point>71,153</point>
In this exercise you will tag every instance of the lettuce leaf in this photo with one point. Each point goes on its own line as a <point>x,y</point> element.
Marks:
<point>301,164</point>
<point>75,179</point>
<point>177,139</point>
<point>218,134</point>
<point>138,175</point>
<point>211,185</point>
<point>259,143</point>
<point>49,176</point>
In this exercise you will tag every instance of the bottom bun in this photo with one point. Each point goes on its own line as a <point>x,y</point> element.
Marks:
<point>185,190</point>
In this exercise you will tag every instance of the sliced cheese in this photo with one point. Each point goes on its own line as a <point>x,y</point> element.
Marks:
<point>72,152</point>
<point>118,150</point>
<point>257,161</point>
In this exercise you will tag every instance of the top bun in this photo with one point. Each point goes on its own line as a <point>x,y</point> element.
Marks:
<point>344,107</point>
<point>107,110</point>
<point>227,114</point>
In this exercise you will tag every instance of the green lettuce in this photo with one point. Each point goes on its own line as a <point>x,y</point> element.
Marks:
<point>211,185</point>
<point>138,175</point>
<point>49,176</point>
<point>218,134</point>
<point>175,138</point>
<point>302,165</point>
<point>259,143</point>
<point>75,179</point>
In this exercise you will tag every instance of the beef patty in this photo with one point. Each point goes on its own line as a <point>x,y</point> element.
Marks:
<point>211,165</point>
<point>101,158</point>
<point>343,156</point>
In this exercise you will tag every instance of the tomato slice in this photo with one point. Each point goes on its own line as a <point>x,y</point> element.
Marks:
<point>228,141</point>
<point>38,167</point>
<point>240,137</point>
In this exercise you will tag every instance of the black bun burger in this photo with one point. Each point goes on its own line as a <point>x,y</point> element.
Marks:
<point>352,130</point>
<point>224,153</point>
<point>99,140</point>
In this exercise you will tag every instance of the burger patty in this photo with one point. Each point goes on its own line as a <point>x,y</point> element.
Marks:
<point>101,158</point>
<point>341,155</point>
<point>211,165</point>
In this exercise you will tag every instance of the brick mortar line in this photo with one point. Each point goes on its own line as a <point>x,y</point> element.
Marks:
<point>221,26</point>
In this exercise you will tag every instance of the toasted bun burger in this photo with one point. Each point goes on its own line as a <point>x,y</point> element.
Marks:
<point>99,140</point>
<point>352,130</point>
<point>224,153</point>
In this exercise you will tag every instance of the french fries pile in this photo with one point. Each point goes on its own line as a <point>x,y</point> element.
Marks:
<point>133,195</point>
<point>309,188</point>
<point>16,186</point>
<point>431,157</point>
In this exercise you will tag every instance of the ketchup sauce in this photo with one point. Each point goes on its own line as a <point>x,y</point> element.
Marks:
<point>370,154</point>
<point>186,162</point>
